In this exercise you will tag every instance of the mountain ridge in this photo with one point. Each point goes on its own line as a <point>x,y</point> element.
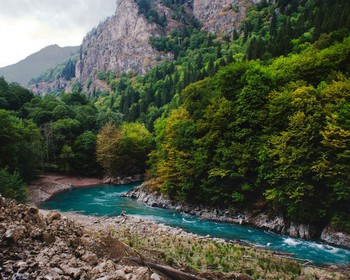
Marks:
<point>35,64</point>
<point>121,44</point>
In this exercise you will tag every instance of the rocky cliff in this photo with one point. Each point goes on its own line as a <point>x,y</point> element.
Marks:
<point>121,43</point>
<point>221,16</point>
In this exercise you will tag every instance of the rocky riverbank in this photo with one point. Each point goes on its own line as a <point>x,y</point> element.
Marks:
<point>262,220</point>
<point>48,245</point>
<point>40,244</point>
<point>123,180</point>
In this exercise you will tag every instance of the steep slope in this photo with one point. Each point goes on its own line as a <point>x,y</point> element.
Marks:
<point>35,64</point>
<point>121,43</point>
<point>221,17</point>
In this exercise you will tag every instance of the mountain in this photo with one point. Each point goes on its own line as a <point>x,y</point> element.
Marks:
<point>121,43</point>
<point>35,64</point>
<point>255,120</point>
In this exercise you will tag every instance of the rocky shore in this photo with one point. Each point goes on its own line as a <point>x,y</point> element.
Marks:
<point>47,245</point>
<point>40,244</point>
<point>262,220</point>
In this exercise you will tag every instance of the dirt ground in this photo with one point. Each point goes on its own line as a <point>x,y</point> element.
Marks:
<point>73,180</point>
<point>47,185</point>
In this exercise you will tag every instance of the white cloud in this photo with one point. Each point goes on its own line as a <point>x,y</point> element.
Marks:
<point>26,26</point>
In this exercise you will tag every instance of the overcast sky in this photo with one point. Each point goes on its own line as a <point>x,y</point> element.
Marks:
<point>27,26</point>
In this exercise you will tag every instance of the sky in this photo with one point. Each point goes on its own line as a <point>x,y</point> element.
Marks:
<point>27,26</point>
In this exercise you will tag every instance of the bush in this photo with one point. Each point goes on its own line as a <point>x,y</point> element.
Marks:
<point>341,222</point>
<point>12,186</point>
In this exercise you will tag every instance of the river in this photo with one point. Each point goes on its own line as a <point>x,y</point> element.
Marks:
<point>106,200</point>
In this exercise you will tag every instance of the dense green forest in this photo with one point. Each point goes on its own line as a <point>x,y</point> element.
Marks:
<point>258,119</point>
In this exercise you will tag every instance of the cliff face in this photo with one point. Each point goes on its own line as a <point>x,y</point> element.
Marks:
<point>221,16</point>
<point>120,44</point>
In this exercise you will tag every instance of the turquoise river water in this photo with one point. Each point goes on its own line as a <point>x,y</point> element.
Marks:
<point>106,200</point>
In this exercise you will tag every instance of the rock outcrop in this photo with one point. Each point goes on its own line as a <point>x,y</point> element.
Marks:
<point>221,16</point>
<point>42,88</point>
<point>123,180</point>
<point>120,44</point>
<point>334,237</point>
<point>280,225</point>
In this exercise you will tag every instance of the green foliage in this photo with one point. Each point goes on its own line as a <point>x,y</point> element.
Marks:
<point>20,145</point>
<point>74,98</point>
<point>68,71</point>
<point>65,158</point>
<point>107,76</point>
<point>64,70</point>
<point>196,97</point>
<point>280,27</point>
<point>13,96</point>
<point>12,185</point>
<point>145,8</point>
<point>104,117</point>
<point>123,150</point>
<point>341,222</point>
<point>61,119</point>
<point>293,152</point>
<point>173,158</point>
<point>263,134</point>
<point>108,146</point>
<point>84,149</point>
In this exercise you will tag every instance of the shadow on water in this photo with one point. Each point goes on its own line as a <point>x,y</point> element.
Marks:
<point>106,200</point>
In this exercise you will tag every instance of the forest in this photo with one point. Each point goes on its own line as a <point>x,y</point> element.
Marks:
<point>258,119</point>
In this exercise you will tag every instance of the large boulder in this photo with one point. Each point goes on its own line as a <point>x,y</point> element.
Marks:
<point>334,237</point>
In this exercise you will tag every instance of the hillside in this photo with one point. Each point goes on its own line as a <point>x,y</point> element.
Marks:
<point>35,64</point>
<point>121,44</point>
